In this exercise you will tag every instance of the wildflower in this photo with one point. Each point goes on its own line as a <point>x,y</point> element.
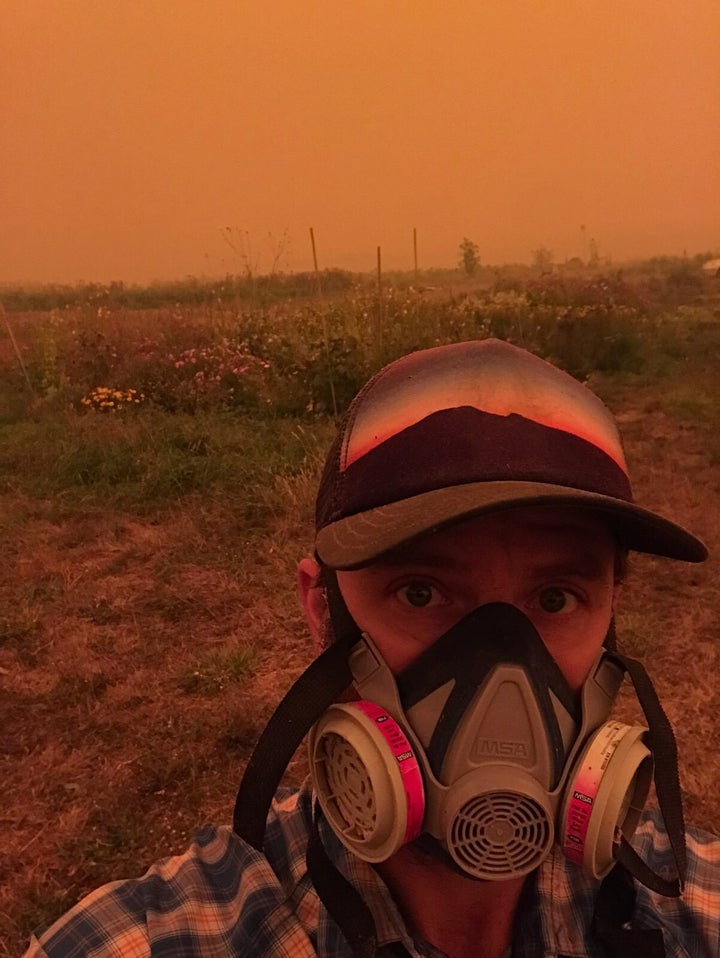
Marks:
<point>105,399</point>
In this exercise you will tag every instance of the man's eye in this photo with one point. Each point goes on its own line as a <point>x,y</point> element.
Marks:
<point>556,599</point>
<point>418,594</point>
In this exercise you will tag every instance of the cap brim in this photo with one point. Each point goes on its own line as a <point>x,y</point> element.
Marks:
<point>357,540</point>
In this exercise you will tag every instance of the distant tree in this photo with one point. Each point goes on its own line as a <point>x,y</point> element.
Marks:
<point>469,256</point>
<point>543,259</point>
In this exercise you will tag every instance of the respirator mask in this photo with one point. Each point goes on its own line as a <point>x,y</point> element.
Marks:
<point>479,750</point>
<point>481,745</point>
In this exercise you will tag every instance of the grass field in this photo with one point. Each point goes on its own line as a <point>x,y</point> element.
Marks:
<point>157,473</point>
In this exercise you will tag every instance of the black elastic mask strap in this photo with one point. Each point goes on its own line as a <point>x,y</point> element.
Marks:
<point>314,692</point>
<point>661,742</point>
<point>614,908</point>
<point>343,902</point>
<point>610,642</point>
<point>342,623</point>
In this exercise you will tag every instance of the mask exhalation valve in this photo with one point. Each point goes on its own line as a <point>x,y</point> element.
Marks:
<point>494,832</point>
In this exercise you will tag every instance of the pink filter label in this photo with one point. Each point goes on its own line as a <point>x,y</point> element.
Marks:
<point>584,788</point>
<point>404,755</point>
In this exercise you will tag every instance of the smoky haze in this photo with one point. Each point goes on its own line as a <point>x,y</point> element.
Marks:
<point>153,140</point>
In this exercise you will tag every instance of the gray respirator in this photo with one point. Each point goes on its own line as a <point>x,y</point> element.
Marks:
<point>482,745</point>
<point>480,753</point>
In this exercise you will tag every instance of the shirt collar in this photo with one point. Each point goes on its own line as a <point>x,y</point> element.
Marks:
<point>554,913</point>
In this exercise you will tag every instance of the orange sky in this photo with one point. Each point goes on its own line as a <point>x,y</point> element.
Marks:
<point>133,132</point>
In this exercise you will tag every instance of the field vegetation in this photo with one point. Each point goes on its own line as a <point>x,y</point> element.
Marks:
<point>159,451</point>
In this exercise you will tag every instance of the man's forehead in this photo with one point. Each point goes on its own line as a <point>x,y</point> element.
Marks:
<point>552,532</point>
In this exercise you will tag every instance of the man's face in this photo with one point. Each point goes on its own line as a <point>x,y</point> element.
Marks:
<point>555,565</point>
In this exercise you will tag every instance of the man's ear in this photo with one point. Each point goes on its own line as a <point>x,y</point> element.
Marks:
<point>314,602</point>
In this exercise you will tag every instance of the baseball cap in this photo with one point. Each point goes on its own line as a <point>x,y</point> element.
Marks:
<point>455,431</point>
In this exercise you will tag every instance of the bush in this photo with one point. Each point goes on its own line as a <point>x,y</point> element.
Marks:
<point>310,359</point>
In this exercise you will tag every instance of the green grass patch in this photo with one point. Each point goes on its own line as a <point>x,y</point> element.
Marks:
<point>150,460</point>
<point>217,669</point>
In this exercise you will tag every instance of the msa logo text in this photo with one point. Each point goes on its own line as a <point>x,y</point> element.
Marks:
<point>500,749</point>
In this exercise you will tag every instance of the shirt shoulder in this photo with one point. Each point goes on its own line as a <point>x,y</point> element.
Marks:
<point>558,909</point>
<point>219,898</point>
<point>690,923</point>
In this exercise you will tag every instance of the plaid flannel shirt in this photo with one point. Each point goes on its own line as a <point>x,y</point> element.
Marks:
<point>222,898</point>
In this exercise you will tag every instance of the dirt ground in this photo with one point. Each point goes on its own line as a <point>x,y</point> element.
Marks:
<point>140,659</point>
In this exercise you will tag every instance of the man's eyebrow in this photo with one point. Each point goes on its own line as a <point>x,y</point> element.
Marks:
<point>588,565</point>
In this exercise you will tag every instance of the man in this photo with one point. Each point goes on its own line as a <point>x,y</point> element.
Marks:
<point>470,793</point>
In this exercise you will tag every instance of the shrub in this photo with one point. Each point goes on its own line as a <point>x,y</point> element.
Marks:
<point>292,359</point>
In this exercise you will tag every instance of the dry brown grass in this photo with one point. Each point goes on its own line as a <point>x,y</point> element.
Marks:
<point>126,711</point>
<point>127,716</point>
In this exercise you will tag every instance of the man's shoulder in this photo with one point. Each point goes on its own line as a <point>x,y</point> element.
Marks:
<point>692,921</point>
<point>208,900</point>
<point>651,839</point>
<point>559,911</point>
